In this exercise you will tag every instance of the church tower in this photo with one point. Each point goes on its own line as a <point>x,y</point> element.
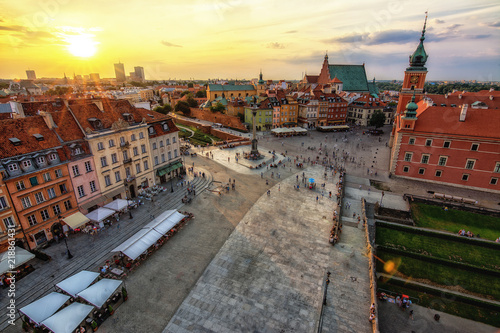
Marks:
<point>261,85</point>
<point>324,75</point>
<point>414,79</point>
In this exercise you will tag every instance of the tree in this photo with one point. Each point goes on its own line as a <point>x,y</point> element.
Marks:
<point>191,101</point>
<point>183,107</point>
<point>241,116</point>
<point>185,92</point>
<point>201,94</point>
<point>377,119</point>
<point>190,85</point>
<point>164,109</point>
<point>217,108</point>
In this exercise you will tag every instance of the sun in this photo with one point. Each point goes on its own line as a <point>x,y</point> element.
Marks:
<point>82,45</point>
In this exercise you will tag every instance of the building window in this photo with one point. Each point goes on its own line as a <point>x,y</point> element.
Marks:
<point>136,151</point>
<point>169,156</point>
<point>474,147</point>
<point>51,192</point>
<point>146,165</point>
<point>76,172</point>
<point>114,159</point>
<point>173,140</point>
<point>141,135</point>
<point>151,130</point>
<point>78,151</point>
<point>447,144</point>
<point>27,163</point>
<point>154,145</point>
<point>175,152</point>
<point>161,143</point>
<point>411,141</point>
<point>465,177</point>
<point>3,203</point>
<point>40,160</point>
<point>104,162</point>
<point>162,158</point>
<point>122,140</point>
<point>56,209</point>
<point>428,142</point>
<point>111,143</point>
<point>425,159</point>
<point>497,167</point>
<point>406,168</point>
<point>137,168</point>
<point>143,149</point>
<point>26,202</point>
<point>439,173</point>
<point>13,167</point>
<point>470,164</point>
<point>127,172</point>
<point>107,180</point>
<point>63,189</point>
<point>117,176</point>
<point>92,186</point>
<point>45,214</point>
<point>39,197</point>
<point>67,205</point>
<point>88,166</point>
<point>9,222</point>
<point>493,181</point>
<point>156,160</point>
<point>33,181</point>
<point>132,137</point>
<point>81,191</point>
<point>421,171</point>
<point>167,141</point>
<point>100,146</point>
<point>20,185</point>
<point>125,155</point>
<point>52,157</point>
<point>46,177</point>
<point>442,160</point>
<point>32,220</point>
<point>58,173</point>
<point>408,157</point>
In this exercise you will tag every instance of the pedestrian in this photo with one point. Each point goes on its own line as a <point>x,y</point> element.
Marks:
<point>317,198</point>
<point>267,182</point>
<point>279,187</point>
<point>261,175</point>
<point>330,193</point>
<point>279,175</point>
<point>411,314</point>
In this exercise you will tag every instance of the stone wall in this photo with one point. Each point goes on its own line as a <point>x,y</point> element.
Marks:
<point>217,117</point>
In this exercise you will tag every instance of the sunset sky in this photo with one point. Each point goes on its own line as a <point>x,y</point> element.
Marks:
<point>235,38</point>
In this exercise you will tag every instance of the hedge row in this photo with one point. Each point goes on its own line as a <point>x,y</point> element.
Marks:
<point>446,236</point>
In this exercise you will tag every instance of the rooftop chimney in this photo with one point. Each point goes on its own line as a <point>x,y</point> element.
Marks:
<point>47,117</point>
<point>98,102</point>
<point>463,112</point>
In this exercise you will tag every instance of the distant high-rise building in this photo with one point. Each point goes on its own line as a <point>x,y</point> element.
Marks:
<point>120,72</point>
<point>139,73</point>
<point>31,74</point>
<point>94,77</point>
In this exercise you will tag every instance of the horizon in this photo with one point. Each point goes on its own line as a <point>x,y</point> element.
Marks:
<point>233,39</point>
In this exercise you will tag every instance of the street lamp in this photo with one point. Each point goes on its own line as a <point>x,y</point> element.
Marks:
<point>67,249</point>
<point>171,185</point>
<point>326,287</point>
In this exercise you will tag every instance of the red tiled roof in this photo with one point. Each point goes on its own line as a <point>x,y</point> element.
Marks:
<point>23,129</point>
<point>336,80</point>
<point>458,98</point>
<point>31,108</point>
<point>312,78</point>
<point>67,127</point>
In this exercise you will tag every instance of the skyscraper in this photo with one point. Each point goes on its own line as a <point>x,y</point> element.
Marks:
<point>31,74</point>
<point>120,72</point>
<point>139,73</point>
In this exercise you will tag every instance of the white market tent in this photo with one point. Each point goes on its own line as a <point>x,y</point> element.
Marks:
<point>66,320</point>
<point>118,204</point>
<point>44,307</point>
<point>20,257</point>
<point>78,282</point>
<point>138,243</point>
<point>98,293</point>
<point>100,214</point>
<point>163,224</point>
<point>281,131</point>
<point>298,129</point>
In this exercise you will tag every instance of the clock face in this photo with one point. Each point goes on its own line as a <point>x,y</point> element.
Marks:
<point>414,79</point>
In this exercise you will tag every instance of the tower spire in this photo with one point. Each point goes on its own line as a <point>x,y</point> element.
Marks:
<point>419,57</point>
<point>423,29</point>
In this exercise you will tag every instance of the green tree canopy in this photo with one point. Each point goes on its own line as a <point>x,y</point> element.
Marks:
<point>183,107</point>
<point>201,94</point>
<point>59,91</point>
<point>377,119</point>
<point>217,108</point>
<point>185,92</point>
<point>190,85</point>
<point>192,102</point>
<point>164,109</point>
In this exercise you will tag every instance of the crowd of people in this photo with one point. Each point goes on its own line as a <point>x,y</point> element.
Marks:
<point>464,233</point>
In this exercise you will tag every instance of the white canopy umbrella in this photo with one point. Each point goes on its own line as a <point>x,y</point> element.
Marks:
<point>66,320</point>
<point>78,282</point>
<point>98,293</point>
<point>20,256</point>
<point>100,214</point>
<point>138,243</point>
<point>164,225</point>
<point>118,204</point>
<point>44,307</point>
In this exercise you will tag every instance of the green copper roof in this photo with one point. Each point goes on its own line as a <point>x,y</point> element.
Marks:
<point>372,87</point>
<point>419,57</point>
<point>353,77</point>
<point>230,87</point>
<point>411,108</point>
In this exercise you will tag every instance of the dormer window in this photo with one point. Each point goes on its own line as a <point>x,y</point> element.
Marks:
<point>52,157</point>
<point>96,123</point>
<point>151,130</point>
<point>27,163</point>
<point>165,127</point>
<point>15,141</point>
<point>78,151</point>
<point>128,117</point>
<point>13,167</point>
<point>40,160</point>
<point>39,137</point>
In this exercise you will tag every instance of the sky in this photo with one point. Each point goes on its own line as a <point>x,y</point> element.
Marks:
<point>210,39</point>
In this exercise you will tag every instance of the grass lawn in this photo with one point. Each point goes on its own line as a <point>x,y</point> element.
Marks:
<point>434,217</point>
<point>447,304</point>
<point>439,248</point>
<point>443,275</point>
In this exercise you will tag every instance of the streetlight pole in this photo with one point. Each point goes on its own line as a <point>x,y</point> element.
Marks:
<point>382,198</point>
<point>67,249</point>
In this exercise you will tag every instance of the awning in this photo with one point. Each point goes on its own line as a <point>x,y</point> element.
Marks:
<point>44,307</point>
<point>115,192</point>
<point>171,167</point>
<point>66,320</point>
<point>75,220</point>
<point>100,214</point>
<point>20,256</point>
<point>118,204</point>
<point>165,222</point>
<point>94,202</point>
<point>138,243</point>
<point>98,293</point>
<point>78,282</point>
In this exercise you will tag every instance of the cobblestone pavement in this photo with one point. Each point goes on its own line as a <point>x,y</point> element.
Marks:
<point>268,276</point>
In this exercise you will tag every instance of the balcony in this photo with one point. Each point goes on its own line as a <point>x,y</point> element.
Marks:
<point>129,179</point>
<point>127,161</point>
<point>125,144</point>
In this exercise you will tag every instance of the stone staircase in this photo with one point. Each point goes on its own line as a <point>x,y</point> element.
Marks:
<point>89,252</point>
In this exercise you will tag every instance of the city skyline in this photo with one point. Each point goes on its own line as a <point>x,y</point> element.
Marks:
<point>233,39</point>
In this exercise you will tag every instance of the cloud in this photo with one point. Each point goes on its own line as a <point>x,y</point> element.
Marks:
<point>438,21</point>
<point>377,38</point>
<point>492,24</point>
<point>168,44</point>
<point>12,28</point>
<point>477,36</point>
<point>453,26</point>
<point>291,32</point>
<point>275,45</point>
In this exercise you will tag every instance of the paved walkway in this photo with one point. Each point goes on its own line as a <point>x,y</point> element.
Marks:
<point>269,274</point>
<point>88,252</point>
